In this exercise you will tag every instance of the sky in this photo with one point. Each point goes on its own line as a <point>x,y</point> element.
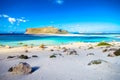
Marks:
<point>84,16</point>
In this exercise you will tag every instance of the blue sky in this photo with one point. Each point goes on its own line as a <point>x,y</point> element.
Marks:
<point>71,15</point>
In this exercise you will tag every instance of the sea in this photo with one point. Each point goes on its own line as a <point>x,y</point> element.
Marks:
<point>36,40</point>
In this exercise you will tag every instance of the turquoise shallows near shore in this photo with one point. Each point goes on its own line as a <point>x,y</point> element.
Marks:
<point>20,40</point>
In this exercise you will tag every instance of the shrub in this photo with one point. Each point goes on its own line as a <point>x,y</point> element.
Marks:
<point>53,56</point>
<point>95,62</point>
<point>103,44</point>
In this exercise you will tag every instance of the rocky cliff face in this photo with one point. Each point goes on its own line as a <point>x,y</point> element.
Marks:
<point>45,30</point>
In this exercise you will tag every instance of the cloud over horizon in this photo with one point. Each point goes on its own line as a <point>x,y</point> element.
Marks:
<point>13,20</point>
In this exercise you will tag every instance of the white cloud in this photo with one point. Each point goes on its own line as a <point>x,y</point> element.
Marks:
<point>5,16</point>
<point>11,20</point>
<point>59,2</point>
<point>22,20</point>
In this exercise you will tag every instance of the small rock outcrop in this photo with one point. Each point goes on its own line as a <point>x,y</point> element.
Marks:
<point>116,53</point>
<point>90,54</point>
<point>111,55</point>
<point>21,68</point>
<point>72,52</point>
<point>23,57</point>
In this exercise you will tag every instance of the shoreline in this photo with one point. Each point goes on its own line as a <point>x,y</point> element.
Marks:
<point>29,45</point>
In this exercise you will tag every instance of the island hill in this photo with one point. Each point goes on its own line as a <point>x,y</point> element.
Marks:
<point>46,30</point>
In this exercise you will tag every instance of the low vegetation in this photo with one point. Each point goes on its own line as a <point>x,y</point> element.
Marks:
<point>95,62</point>
<point>53,56</point>
<point>103,44</point>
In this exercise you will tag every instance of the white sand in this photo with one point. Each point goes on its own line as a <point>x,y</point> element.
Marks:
<point>65,67</point>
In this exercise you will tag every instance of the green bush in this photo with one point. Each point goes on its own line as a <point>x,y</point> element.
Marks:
<point>103,44</point>
<point>53,56</point>
<point>95,62</point>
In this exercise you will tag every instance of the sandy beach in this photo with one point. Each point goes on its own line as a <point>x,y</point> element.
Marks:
<point>63,66</point>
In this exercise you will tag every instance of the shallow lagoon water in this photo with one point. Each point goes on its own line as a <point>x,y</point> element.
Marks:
<point>16,40</point>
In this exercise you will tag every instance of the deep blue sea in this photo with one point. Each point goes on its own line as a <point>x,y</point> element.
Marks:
<point>15,39</point>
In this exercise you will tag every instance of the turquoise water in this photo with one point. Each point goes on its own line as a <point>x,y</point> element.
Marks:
<point>15,40</point>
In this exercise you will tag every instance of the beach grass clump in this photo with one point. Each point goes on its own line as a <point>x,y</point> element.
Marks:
<point>53,56</point>
<point>117,52</point>
<point>23,57</point>
<point>95,62</point>
<point>103,44</point>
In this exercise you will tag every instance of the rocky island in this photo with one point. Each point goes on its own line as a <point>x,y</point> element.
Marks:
<point>46,30</point>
